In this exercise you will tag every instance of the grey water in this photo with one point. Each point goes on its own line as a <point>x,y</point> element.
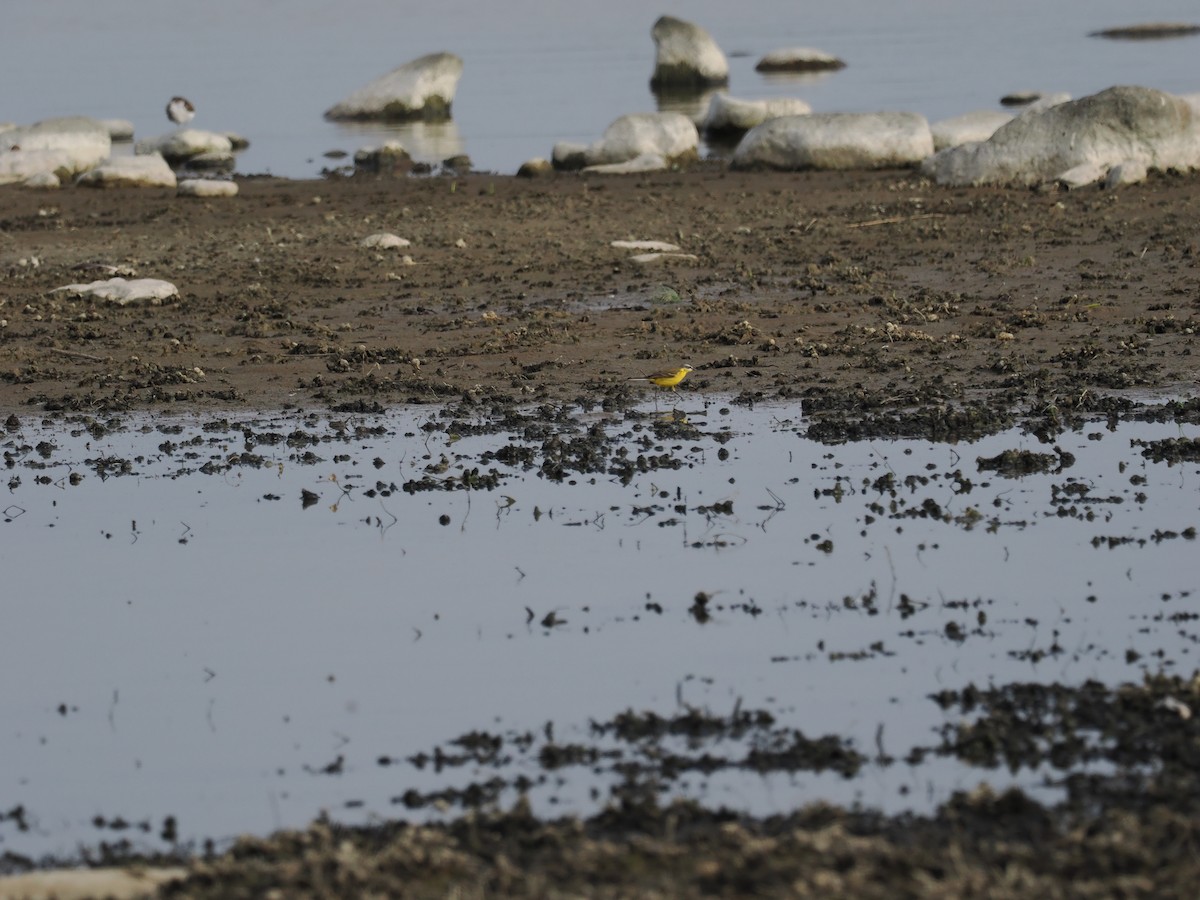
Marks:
<point>184,635</point>
<point>540,71</point>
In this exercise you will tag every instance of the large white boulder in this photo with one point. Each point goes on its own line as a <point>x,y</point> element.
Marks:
<point>421,89</point>
<point>727,115</point>
<point>686,56</point>
<point>1118,125</point>
<point>836,141</point>
<point>63,147</point>
<point>973,126</point>
<point>130,171</point>
<point>670,135</point>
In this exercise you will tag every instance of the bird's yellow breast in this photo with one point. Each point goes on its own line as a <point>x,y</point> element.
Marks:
<point>670,379</point>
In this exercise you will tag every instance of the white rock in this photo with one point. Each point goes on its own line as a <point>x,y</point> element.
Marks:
<point>181,145</point>
<point>646,162</point>
<point>20,165</point>
<point>44,181</point>
<point>1121,124</point>
<point>130,171</point>
<point>643,259</point>
<point>669,135</point>
<point>75,133</point>
<point>385,241</point>
<point>1082,175</point>
<point>421,89</point>
<point>207,187</point>
<point>799,59</point>
<point>973,126</point>
<point>686,56</point>
<point>118,129</point>
<point>123,292</point>
<point>726,114</point>
<point>64,147</point>
<point>646,246</point>
<point>836,141</point>
<point>1128,172</point>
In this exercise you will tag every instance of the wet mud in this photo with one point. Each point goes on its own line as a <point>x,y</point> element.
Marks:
<point>876,306</point>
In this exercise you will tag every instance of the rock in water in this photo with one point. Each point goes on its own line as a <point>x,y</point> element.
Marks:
<point>421,89</point>
<point>687,56</point>
<point>799,59</point>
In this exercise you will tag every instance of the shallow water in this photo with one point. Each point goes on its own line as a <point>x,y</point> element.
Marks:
<point>537,72</point>
<point>185,637</point>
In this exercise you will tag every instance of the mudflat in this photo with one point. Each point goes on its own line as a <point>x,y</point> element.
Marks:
<point>856,290</point>
<point>879,303</point>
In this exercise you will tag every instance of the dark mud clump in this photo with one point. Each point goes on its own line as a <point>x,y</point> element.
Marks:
<point>978,844</point>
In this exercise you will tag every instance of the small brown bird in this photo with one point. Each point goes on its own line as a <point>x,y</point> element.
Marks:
<point>180,110</point>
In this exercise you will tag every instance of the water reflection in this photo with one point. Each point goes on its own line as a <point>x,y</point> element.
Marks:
<point>431,142</point>
<point>692,103</point>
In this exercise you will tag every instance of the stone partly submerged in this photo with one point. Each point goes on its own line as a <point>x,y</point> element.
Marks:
<point>182,146</point>
<point>686,57</point>
<point>1121,125</point>
<point>149,170</point>
<point>63,147</point>
<point>669,135</point>
<point>421,89</point>
<point>728,116</point>
<point>389,158</point>
<point>799,59</point>
<point>836,141</point>
<point>1147,31</point>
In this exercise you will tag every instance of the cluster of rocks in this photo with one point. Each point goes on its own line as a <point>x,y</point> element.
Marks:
<point>1112,137</point>
<point>79,149</point>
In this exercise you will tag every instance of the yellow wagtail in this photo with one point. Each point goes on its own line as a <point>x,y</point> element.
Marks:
<point>667,379</point>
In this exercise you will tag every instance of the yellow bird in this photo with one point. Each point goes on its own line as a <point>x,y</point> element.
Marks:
<point>667,379</point>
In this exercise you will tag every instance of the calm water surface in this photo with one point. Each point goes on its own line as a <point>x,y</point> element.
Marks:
<point>539,71</point>
<point>186,637</point>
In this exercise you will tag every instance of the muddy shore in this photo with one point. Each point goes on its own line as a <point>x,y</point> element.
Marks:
<point>881,304</point>
<point>871,291</point>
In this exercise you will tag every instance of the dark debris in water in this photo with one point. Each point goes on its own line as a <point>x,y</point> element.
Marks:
<point>642,753</point>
